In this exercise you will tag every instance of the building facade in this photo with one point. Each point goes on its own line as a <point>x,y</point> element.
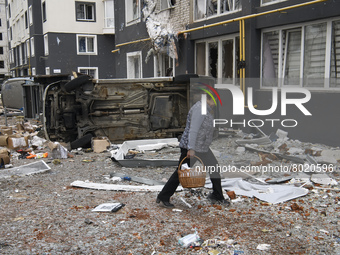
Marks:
<point>4,57</point>
<point>58,37</point>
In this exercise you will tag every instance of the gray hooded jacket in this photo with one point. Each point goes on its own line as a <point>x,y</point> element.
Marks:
<point>198,133</point>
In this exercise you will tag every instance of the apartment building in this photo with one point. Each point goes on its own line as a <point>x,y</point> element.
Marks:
<point>4,61</point>
<point>57,37</point>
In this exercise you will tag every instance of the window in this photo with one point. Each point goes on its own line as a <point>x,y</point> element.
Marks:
<point>165,4</point>
<point>335,55</point>
<point>207,8</point>
<point>9,14</point>
<point>11,57</point>
<point>20,60</point>
<point>85,11</point>
<point>43,9</point>
<point>91,71</point>
<point>134,64</point>
<point>218,57</point>
<point>2,64</point>
<point>87,44</point>
<point>0,36</point>
<point>132,11</point>
<point>163,65</point>
<point>24,47</point>
<point>30,15</point>
<point>46,44</point>
<point>305,56</point>
<point>109,14</point>
<point>26,20</point>
<point>34,71</point>
<point>1,50</point>
<point>264,2</point>
<point>47,71</point>
<point>0,22</point>
<point>28,48</point>
<point>32,46</point>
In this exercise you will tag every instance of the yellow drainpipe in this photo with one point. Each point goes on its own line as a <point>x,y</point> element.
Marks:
<point>132,42</point>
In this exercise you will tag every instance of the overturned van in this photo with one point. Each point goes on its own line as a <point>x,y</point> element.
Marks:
<point>120,109</point>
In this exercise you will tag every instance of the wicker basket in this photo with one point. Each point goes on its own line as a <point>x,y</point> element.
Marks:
<point>190,178</point>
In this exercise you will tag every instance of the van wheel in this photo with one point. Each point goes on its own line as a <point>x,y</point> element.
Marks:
<point>76,83</point>
<point>84,141</point>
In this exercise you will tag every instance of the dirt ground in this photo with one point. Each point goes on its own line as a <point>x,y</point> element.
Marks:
<point>44,214</point>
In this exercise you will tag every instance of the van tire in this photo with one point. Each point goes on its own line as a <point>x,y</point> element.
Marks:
<point>82,142</point>
<point>76,83</point>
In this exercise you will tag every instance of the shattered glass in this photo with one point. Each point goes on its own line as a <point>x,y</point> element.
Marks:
<point>314,55</point>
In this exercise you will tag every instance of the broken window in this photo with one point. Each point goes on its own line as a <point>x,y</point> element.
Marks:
<point>208,8</point>
<point>227,59</point>
<point>134,64</point>
<point>213,57</point>
<point>299,56</point>
<point>218,58</point>
<point>314,55</point>
<point>165,4</point>
<point>211,8</point>
<point>132,11</point>
<point>164,65</point>
<point>292,56</point>
<point>270,58</point>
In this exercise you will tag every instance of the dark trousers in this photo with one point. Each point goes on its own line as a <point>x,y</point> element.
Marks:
<point>208,159</point>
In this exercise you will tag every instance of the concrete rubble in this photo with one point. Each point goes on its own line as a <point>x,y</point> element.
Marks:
<point>53,212</point>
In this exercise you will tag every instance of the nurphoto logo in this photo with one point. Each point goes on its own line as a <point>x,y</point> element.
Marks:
<point>301,97</point>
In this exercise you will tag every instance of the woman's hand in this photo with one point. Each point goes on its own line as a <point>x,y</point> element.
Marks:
<point>191,153</point>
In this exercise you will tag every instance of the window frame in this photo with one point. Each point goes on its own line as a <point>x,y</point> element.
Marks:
<point>43,11</point>
<point>219,41</point>
<point>106,16</point>
<point>26,20</point>
<point>130,69</point>
<point>32,47</point>
<point>27,45</point>
<point>46,48</point>
<point>86,4</point>
<point>280,72</point>
<point>30,15</point>
<point>272,2</point>
<point>169,4</point>
<point>89,68</point>
<point>218,10</point>
<point>78,36</point>
<point>129,17</point>
<point>159,62</point>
